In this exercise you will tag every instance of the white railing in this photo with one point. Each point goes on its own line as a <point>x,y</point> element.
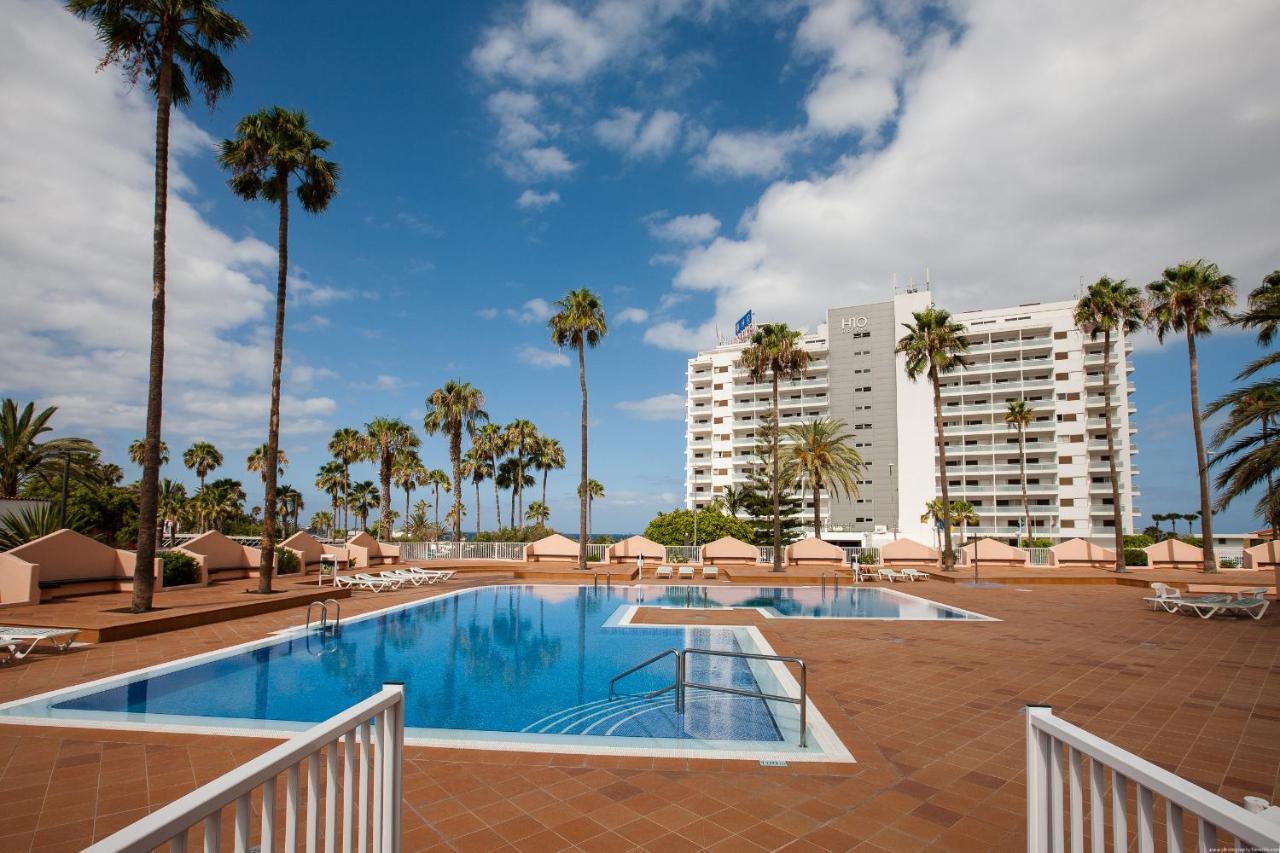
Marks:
<point>461,551</point>
<point>683,553</point>
<point>365,771</point>
<point>1039,556</point>
<point>1056,756</point>
<point>861,556</point>
<point>766,554</point>
<point>595,551</point>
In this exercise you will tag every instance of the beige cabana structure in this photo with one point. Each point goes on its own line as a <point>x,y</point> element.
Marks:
<point>66,563</point>
<point>989,552</point>
<point>363,551</point>
<point>1174,554</point>
<point>1081,554</point>
<point>221,556</point>
<point>311,551</point>
<point>1263,557</point>
<point>727,551</point>
<point>905,553</point>
<point>814,553</point>
<point>633,547</point>
<point>552,549</point>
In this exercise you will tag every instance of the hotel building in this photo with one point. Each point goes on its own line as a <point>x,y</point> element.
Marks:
<point>1029,352</point>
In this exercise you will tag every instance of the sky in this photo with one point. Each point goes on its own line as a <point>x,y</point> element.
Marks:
<point>685,159</point>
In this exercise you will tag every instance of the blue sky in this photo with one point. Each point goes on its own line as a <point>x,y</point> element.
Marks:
<point>686,160</point>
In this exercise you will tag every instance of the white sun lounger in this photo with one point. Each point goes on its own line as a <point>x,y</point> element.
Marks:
<point>15,635</point>
<point>686,572</point>
<point>365,581</point>
<point>662,572</point>
<point>417,578</point>
<point>429,576</point>
<point>396,580</point>
<point>890,575</point>
<point>1248,602</point>
<point>711,571</point>
<point>914,575</point>
<point>1167,597</point>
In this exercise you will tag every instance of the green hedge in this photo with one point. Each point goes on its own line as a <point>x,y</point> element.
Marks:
<point>1138,540</point>
<point>179,569</point>
<point>287,562</point>
<point>1135,557</point>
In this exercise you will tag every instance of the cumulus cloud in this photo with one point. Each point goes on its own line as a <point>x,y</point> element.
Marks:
<point>542,358</point>
<point>534,200</point>
<point>663,407</point>
<point>686,228</point>
<point>532,311</point>
<point>1046,145</point>
<point>631,315</point>
<point>677,335</point>
<point>523,151</point>
<point>627,131</point>
<point>75,252</point>
<point>487,313</point>
<point>748,153</point>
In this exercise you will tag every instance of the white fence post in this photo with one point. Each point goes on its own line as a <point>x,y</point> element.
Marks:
<point>1038,817</point>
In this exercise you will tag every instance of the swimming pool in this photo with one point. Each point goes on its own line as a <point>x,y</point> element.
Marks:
<point>518,666</point>
<point>808,602</point>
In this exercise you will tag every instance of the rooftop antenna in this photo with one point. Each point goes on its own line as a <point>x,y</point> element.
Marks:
<point>926,278</point>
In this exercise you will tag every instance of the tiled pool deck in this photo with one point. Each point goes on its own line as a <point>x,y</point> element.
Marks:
<point>929,709</point>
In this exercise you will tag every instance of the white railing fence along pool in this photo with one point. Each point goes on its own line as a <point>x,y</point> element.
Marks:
<point>683,553</point>
<point>1074,777</point>
<point>358,753</point>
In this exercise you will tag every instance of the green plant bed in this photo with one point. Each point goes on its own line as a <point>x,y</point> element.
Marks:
<point>179,569</point>
<point>1135,557</point>
<point>287,562</point>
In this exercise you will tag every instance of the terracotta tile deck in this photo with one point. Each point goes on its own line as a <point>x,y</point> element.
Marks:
<point>929,709</point>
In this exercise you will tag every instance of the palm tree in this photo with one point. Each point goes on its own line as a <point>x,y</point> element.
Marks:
<point>436,480</point>
<point>476,468</point>
<point>934,516</point>
<point>548,456</point>
<point>1246,447</point>
<point>1263,314</point>
<point>733,499</point>
<point>173,502</point>
<point>364,497</point>
<point>169,43</point>
<point>594,492</point>
<point>322,520</point>
<point>332,480</point>
<point>490,440</point>
<point>538,513</point>
<point>23,458</point>
<point>1192,298</point>
<point>387,437</point>
<point>820,454</point>
<point>408,472</point>
<point>138,452</point>
<point>508,471</point>
<point>964,514</point>
<point>776,354</point>
<point>1110,309</point>
<point>1018,416</point>
<point>579,323</point>
<point>348,446</point>
<point>202,457</point>
<point>451,409</point>
<point>272,146</point>
<point>935,346</point>
<point>522,437</point>
<point>256,461</point>
<point>288,504</point>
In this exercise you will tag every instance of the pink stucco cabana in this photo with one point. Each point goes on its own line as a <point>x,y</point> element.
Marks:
<point>1081,554</point>
<point>65,563</point>
<point>814,552</point>
<point>633,547</point>
<point>552,549</point>
<point>310,550</point>
<point>727,551</point>
<point>906,553</point>
<point>989,552</point>
<point>219,555</point>
<point>364,551</point>
<point>1174,554</point>
<point>1264,556</point>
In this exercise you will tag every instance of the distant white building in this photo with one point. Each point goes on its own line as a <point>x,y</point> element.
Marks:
<point>1031,352</point>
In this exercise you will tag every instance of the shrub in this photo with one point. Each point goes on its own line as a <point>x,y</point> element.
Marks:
<point>179,569</point>
<point>1228,563</point>
<point>1135,557</point>
<point>1138,541</point>
<point>1192,540</point>
<point>676,527</point>
<point>1035,543</point>
<point>287,562</point>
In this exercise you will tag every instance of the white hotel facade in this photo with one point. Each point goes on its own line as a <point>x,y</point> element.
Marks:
<point>1031,352</point>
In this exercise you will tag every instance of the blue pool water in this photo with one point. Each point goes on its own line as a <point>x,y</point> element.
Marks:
<point>808,602</point>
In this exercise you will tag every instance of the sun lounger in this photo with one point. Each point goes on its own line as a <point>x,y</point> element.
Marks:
<point>686,572</point>
<point>1247,602</point>
<point>662,572</point>
<point>364,581</point>
<point>393,577</point>
<point>415,577</point>
<point>710,571</point>
<point>15,635</point>
<point>441,575</point>
<point>1166,597</point>
<point>890,575</point>
<point>914,575</point>
<point>863,573</point>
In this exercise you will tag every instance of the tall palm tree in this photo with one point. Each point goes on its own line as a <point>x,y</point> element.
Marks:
<point>522,437</point>
<point>538,513</point>
<point>256,461</point>
<point>490,439</point>
<point>173,502</point>
<point>271,147</point>
<point>332,480</point>
<point>476,468</point>
<point>820,455</point>
<point>1111,309</point>
<point>169,42</point>
<point>202,457</point>
<point>579,323</point>
<point>436,480</point>
<point>1248,452</point>
<point>289,504</point>
<point>733,499</point>
<point>594,492</point>
<point>23,458</point>
<point>1018,416</point>
<point>387,438</point>
<point>138,452</point>
<point>934,345</point>
<point>348,446</point>
<point>408,472</point>
<point>1263,314</point>
<point>1193,297</point>
<point>454,407</point>
<point>364,496</point>
<point>775,354</point>
<point>508,471</point>
<point>548,456</point>
<point>935,516</point>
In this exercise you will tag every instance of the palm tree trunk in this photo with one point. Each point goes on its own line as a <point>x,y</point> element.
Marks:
<point>437,506</point>
<point>477,484</point>
<point>817,511</point>
<point>1022,461</point>
<point>948,559</point>
<point>497,496</point>
<point>545,472</point>
<point>407,490</point>
<point>1206,509</point>
<point>1116,519</point>
<point>777,485</point>
<point>384,521</point>
<point>582,481</point>
<point>455,455</point>
<point>519,486</point>
<point>144,574</point>
<point>273,424</point>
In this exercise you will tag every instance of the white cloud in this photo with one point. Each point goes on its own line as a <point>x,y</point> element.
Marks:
<point>548,161</point>
<point>386,382</point>
<point>676,335</point>
<point>631,315</point>
<point>627,131</point>
<point>1048,144</point>
<point>532,199</point>
<point>533,311</point>
<point>663,407</point>
<point>75,251</point>
<point>487,313</point>
<point>687,228</point>
<point>522,135</point>
<point>542,358</point>
<point>749,153</point>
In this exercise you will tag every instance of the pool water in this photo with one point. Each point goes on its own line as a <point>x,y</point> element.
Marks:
<point>808,602</point>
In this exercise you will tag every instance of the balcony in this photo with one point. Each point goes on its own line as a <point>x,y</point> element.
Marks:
<point>997,387</point>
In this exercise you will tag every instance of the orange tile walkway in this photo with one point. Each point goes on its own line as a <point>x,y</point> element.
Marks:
<point>930,710</point>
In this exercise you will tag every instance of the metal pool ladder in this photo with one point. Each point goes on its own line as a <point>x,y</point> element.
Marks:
<point>323,622</point>
<point>682,682</point>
